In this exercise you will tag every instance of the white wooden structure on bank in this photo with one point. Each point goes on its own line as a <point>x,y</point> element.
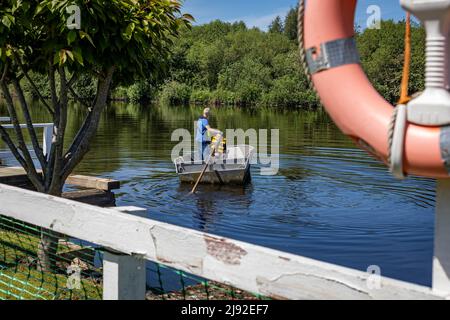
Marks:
<point>46,135</point>
<point>131,239</point>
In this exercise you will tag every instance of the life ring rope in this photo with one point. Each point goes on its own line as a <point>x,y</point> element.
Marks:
<point>397,125</point>
<point>301,41</point>
<point>404,94</point>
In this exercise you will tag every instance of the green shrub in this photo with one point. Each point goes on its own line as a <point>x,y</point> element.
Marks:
<point>85,87</point>
<point>200,96</point>
<point>140,91</point>
<point>248,79</point>
<point>221,96</point>
<point>41,83</point>
<point>248,93</point>
<point>120,93</point>
<point>174,93</point>
<point>286,91</point>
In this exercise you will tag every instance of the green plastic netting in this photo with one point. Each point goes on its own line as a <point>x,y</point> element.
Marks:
<point>75,271</point>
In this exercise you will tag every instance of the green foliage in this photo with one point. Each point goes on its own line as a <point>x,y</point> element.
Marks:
<point>115,43</point>
<point>135,42</point>
<point>290,24</point>
<point>276,26</point>
<point>175,93</point>
<point>120,93</point>
<point>41,83</point>
<point>230,64</point>
<point>225,97</point>
<point>200,96</point>
<point>141,90</point>
<point>86,86</point>
<point>382,54</point>
<point>286,91</point>
<point>219,62</point>
<point>134,36</point>
<point>246,74</point>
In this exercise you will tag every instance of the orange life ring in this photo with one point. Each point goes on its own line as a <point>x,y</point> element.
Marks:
<point>356,107</point>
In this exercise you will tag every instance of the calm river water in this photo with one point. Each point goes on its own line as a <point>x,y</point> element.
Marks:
<point>329,201</point>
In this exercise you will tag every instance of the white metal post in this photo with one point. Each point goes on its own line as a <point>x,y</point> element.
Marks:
<point>432,107</point>
<point>441,259</point>
<point>124,276</point>
<point>47,140</point>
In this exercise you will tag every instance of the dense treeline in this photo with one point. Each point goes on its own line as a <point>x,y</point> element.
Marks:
<point>223,63</point>
<point>228,63</point>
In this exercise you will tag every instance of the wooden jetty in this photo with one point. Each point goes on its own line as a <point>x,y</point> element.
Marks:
<point>91,190</point>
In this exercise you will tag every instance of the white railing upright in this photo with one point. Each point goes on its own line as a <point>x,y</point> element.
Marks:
<point>46,136</point>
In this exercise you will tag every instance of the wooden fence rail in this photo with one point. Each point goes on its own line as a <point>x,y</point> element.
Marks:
<point>132,239</point>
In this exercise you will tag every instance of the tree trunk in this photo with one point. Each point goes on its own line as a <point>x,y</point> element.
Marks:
<point>48,245</point>
<point>47,249</point>
<point>59,165</point>
<point>53,181</point>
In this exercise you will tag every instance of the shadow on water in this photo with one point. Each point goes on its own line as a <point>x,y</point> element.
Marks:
<point>329,200</point>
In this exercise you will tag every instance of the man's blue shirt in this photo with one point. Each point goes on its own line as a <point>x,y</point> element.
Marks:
<point>201,130</point>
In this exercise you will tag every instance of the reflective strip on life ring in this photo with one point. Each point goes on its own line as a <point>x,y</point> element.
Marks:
<point>332,54</point>
<point>356,107</point>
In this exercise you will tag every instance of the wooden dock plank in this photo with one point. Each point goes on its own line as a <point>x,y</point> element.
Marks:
<point>15,176</point>
<point>18,176</point>
<point>93,197</point>
<point>93,182</point>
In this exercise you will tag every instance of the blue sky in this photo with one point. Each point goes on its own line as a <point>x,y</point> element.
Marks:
<point>260,13</point>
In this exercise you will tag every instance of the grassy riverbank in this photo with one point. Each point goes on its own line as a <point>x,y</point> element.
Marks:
<point>20,279</point>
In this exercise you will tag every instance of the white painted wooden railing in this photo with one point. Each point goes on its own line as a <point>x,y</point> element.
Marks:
<point>132,239</point>
<point>46,136</point>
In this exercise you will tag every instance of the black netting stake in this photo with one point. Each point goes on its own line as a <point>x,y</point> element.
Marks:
<point>183,284</point>
<point>158,271</point>
<point>206,290</point>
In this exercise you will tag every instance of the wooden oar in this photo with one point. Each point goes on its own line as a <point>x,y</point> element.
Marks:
<point>213,148</point>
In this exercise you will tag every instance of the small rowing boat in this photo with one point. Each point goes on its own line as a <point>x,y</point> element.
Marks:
<point>232,167</point>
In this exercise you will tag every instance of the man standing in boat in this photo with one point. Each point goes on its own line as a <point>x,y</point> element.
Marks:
<point>201,137</point>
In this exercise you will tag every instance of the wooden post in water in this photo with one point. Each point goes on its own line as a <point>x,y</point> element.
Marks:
<point>441,259</point>
<point>124,276</point>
